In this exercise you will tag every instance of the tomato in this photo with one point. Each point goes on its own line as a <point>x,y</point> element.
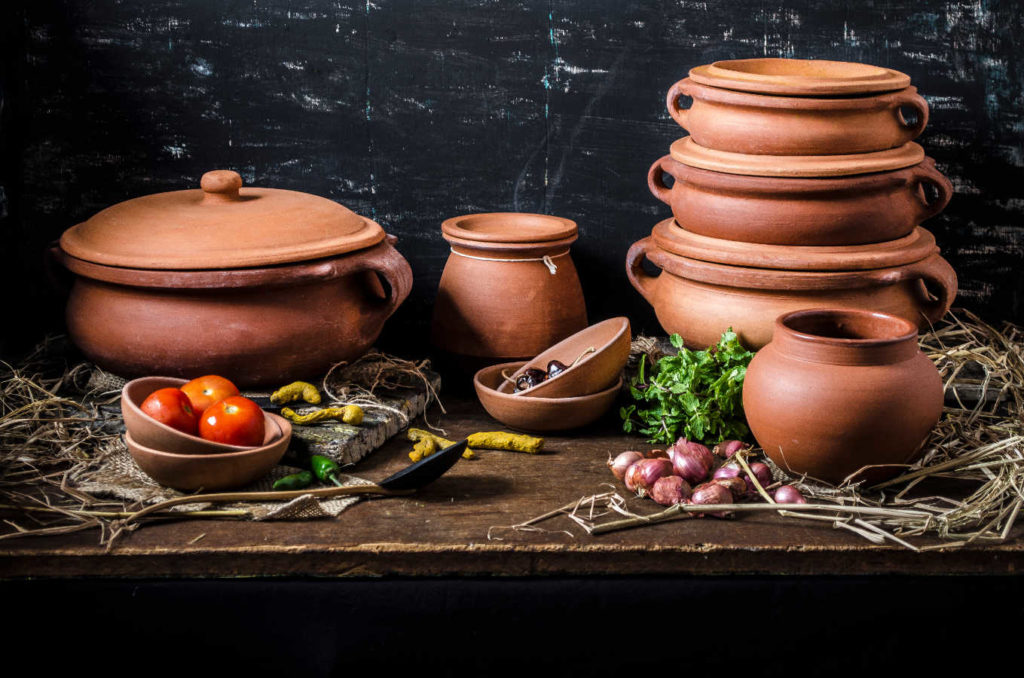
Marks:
<point>234,421</point>
<point>172,407</point>
<point>205,391</point>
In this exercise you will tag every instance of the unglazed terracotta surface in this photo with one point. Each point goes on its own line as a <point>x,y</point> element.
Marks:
<point>528,413</point>
<point>151,433</point>
<point>688,152</point>
<point>489,307</point>
<point>700,300</point>
<point>740,122</point>
<point>837,211</point>
<point>840,389</point>
<point>255,326</point>
<point>800,77</point>
<point>212,472</point>
<point>594,372</point>
<point>221,225</point>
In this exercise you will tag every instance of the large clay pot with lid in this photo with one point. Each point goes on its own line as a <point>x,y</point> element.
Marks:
<point>260,285</point>
<point>701,299</point>
<point>841,210</point>
<point>837,390</point>
<point>509,289</point>
<point>761,124</point>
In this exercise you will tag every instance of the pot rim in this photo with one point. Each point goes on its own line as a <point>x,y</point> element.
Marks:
<point>281,275</point>
<point>895,345</point>
<point>541,228</point>
<point>523,249</point>
<point>871,78</point>
<point>865,101</point>
<point>686,151</point>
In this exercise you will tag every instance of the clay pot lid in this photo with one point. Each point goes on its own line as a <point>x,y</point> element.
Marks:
<point>669,236</point>
<point>688,152</point>
<point>509,227</point>
<point>219,226</point>
<point>800,77</point>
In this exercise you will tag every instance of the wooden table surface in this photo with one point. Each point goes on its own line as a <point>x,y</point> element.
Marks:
<point>443,531</point>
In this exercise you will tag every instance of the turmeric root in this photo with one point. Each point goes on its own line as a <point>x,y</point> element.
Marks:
<point>500,440</point>
<point>295,391</point>
<point>349,414</point>
<point>424,447</point>
<point>418,434</point>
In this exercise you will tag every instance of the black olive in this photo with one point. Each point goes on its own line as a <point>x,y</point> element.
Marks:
<point>556,367</point>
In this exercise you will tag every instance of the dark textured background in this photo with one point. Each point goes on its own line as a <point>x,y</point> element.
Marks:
<point>411,112</point>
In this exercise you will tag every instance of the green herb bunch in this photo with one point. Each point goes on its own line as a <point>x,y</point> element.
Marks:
<point>696,394</point>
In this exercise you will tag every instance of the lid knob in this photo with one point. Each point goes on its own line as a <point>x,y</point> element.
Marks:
<point>220,185</point>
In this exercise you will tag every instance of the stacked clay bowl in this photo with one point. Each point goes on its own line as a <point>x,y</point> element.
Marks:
<point>798,186</point>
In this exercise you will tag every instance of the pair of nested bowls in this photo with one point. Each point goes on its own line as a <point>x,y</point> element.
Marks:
<point>799,186</point>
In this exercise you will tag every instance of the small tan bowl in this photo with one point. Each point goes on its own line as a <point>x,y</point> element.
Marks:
<point>149,432</point>
<point>217,471</point>
<point>594,372</point>
<point>539,414</point>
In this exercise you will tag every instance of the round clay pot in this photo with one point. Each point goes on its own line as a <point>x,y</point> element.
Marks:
<point>699,300</point>
<point>260,285</point>
<point>852,210</point>
<point>800,77</point>
<point>255,326</point>
<point>509,288</point>
<point>840,389</point>
<point>758,124</point>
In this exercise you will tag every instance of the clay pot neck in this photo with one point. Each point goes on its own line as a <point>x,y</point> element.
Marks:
<point>845,337</point>
<point>510,250</point>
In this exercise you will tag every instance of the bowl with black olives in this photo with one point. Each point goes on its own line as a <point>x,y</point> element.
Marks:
<point>587,362</point>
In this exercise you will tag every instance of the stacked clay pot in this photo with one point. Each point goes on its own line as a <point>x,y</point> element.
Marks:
<point>799,186</point>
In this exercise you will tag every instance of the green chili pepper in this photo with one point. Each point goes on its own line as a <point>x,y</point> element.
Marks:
<point>296,481</point>
<point>325,469</point>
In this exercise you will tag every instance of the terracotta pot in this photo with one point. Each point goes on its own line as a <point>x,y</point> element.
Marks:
<point>840,389</point>
<point>509,288</point>
<point>758,124</point>
<point>800,77</point>
<point>256,315</point>
<point>850,210</point>
<point>699,300</point>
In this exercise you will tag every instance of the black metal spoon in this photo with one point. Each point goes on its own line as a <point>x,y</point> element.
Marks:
<point>406,481</point>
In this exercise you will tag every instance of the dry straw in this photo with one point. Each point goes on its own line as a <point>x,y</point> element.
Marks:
<point>967,486</point>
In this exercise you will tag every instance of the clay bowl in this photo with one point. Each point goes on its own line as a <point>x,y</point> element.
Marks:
<point>741,122</point>
<point>593,373</point>
<point>217,471</point>
<point>150,433</point>
<point>539,414</point>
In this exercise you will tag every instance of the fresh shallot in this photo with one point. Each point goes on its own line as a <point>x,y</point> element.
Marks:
<point>670,490</point>
<point>696,450</point>
<point>728,471</point>
<point>711,493</point>
<point>736,486</point>
<point>689,466</point>
<point>620,464</point>
<point>727,448</point>
<point>787,494</point>
<point>647,472</point>
<point>763,475</point>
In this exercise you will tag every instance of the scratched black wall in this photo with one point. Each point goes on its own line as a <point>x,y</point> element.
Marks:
<point>413,111</point>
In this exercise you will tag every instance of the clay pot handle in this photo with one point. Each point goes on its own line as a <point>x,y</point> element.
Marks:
<point>917,102</point>
<point>656,181</point>
<point>393,267</point>
<point>925,173</point>
<point>643,283</point>
<point>939,280</point>
<point>678,113</point>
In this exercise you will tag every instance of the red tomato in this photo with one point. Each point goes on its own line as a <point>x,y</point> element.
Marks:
<point>234,421</point>
<point>205,391</point>
<point>172,407</point>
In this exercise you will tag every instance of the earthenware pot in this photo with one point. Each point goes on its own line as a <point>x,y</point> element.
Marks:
<point>850,210</point>
<point>509,288</point>
<point>800,77</point>
<point>699,300</point>
<point>839,389</point>
<point>259,285</point>
<point>528,413</point>
<point>595,357</point>
<point>758,124</point>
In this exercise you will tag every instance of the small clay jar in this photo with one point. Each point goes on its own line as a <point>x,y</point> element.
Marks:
<point>837,390</point>
<point>699,300</point>
<point>509,289</point>
<point>760,124</point>
<point>848,210</point>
